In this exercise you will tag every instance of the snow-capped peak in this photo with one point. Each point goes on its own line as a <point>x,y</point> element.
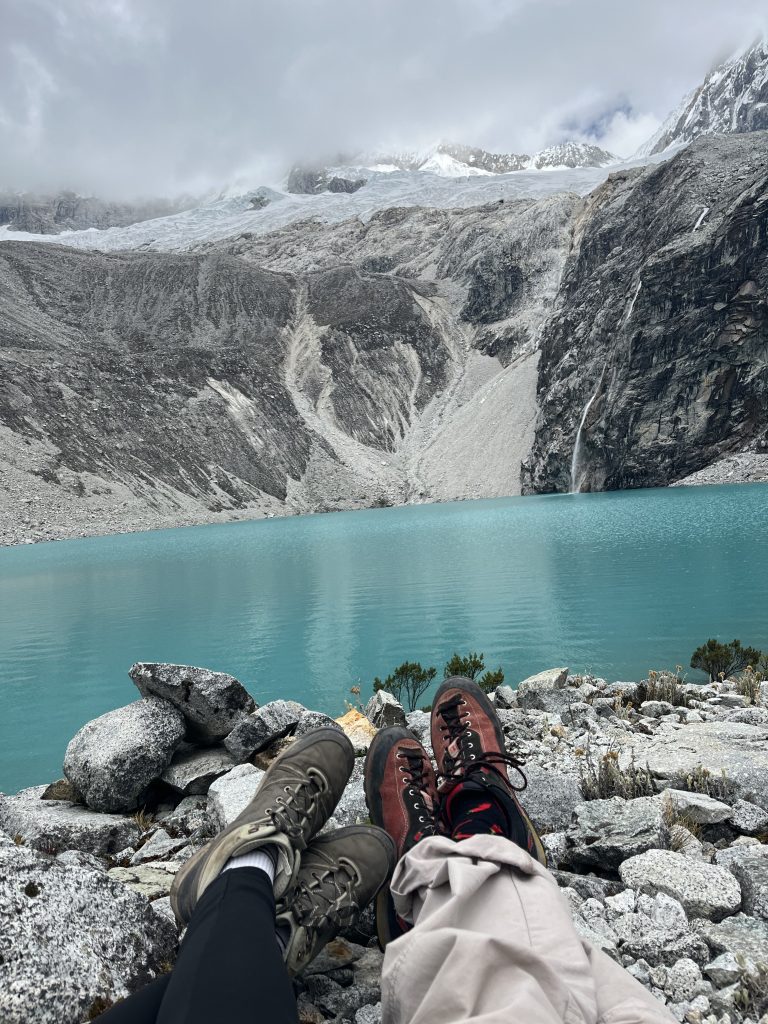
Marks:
<point>732,98</point>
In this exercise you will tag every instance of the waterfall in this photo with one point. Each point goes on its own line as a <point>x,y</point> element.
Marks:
<point>575,459</point>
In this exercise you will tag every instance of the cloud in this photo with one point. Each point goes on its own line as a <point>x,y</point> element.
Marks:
<point>128,97</point>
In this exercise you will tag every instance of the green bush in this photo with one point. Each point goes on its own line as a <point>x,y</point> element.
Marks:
<point>718,659</point>
<point>470,666</point>
<point>407,683</point>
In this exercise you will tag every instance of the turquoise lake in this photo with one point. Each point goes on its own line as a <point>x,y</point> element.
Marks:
<point>308,607</point>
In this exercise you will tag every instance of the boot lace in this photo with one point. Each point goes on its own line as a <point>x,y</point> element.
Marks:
<point>460,760</point>
<point>415,777</point>
<point>328,897</point>
<point>295,805</point>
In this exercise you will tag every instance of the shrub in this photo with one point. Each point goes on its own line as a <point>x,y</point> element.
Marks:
<point>407,683</point>
<point>470,666</point>
<point>719,787</point>
<point>718,659</point>
<point>605,777</point>
<point>662,686</point>
<point>748,685</point>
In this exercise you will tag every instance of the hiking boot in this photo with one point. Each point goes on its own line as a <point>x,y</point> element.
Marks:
<point>401,795</point>
<point>468,741</point>
<point>294,800</point>
<point>340,874</point>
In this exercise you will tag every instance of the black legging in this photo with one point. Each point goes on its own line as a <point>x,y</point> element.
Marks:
<point>229,966</point>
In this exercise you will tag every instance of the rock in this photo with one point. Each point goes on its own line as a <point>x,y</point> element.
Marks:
<point>352,808</point>
<point>657,932</point>
<point>606,832</point>
<point>550,679</point>
<point>113,759</point>
<point>190,817</point>
<point>723,970</point>
<point>73,939</point>
<point>338,953</point>
<point>345,184</point>
<point>704,890</point>
<point>682,980</point>
<point>192,772</point>
<point>211,702</point>
<point>751,872</point>
<point>656,708</point>
<point>383,710</point>
<point>697,807</point>
<point>554,844</point>
<point>740,935</point>
<point>552,700</point>
<point>158,847</point>
<point>369,1014</point>
<point>270,722</point>
<point>231,794</point>
<point>52,825</point>
<point>749,819</point>
<point>358,729</point>
<point>750,716</point>
<point>311,720</point>
<point>162,906</point>
<point>588,885</point>
<point>737,853</point>
<point>152,881</point>
<point>505,697</point>
<point>551,797</point>
<point>741,751</point>
<point>61,789</point>
<point>591,922</point>
<point>419,724</point>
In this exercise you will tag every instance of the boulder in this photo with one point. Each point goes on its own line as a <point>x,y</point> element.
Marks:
<point>113,759</point>
<point>190,816</point>
<point>358,729</point>
<point>751,872</point>
<point>152,881</point>
<point>741,935</point>
<point>73,940</point>
<point>697,807</point>
<point>211,702</point>
<point>550,679</point>
<point>384,710</point>
<point>551,797</point>
<point>604,833</point>
<point>749,818</point>
<point>656,708</point>
<point>704,890</point>
<point>419,724</point>
<point>352,808</point>
<point>657,931</point>
<point>53,825</point>
<point>553,701</point>
<point>192,772</point>
<point>740,751</point>
<point>505,697</point>
<point>159,846</point>
<point>732,856</point>
<point>311,720</point>
<point>232,793</point>
<point>724,970</point>
<point>268,723</point>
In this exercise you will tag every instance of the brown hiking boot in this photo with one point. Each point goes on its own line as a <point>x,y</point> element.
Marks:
<point>340,874</point>
<point>469,750</point>
<point>402,799</point>
<point>294,800</point>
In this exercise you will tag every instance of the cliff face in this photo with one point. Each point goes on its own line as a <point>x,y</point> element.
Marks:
<point>657,344</point>
<point>66,211</point>
<point>614,341</point>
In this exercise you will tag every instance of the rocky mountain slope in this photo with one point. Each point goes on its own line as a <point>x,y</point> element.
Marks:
<point>418,354</point>
<point>67,211</point>
<point>652,799</point>
<point>732,98</point>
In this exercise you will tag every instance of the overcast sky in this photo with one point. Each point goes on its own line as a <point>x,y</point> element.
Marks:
<point>129,97</point>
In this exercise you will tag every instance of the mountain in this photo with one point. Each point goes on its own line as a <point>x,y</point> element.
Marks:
<point>413,354</point>
<point>571,154</point>
<point>732,98</point>
<point>67,211</point>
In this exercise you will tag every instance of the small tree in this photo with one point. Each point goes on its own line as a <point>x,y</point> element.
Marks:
<point>715,658</point>
<point>470,666</point>
<point>407,683</point>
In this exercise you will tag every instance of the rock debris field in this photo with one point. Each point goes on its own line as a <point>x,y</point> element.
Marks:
<point>652,799</point>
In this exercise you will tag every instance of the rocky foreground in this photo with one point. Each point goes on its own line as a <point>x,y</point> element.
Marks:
<point>652,798</point>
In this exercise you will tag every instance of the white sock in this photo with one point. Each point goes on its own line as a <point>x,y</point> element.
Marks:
<point>264,857</point>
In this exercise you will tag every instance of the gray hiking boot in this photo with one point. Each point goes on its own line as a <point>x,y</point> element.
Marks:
<point>296,797</point>
<point>340,874</point>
